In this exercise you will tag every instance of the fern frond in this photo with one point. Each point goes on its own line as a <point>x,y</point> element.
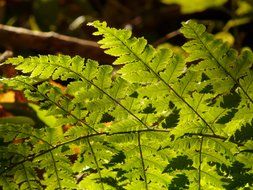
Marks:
<point>146,62</point>
<point>245,154</point>
<point>143,61</point>
<point>229,68</point>
<point>64,67</point>
<point>149,125</point>
<point>203,152</point>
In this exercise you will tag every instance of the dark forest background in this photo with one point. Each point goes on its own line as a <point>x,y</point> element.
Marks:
<point>158,21</point>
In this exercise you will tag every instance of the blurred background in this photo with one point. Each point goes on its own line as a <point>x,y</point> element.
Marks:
<point>157,20</point>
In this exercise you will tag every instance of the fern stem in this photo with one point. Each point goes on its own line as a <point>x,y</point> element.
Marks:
<point>220,65</point>
<point>181,98</point>
<point>163,81</point>
<point>55,169</point>
<point>200,162</point>
<point>109,96</point>
<point>96,163</point>
<point>142,161</point>
<point>31,157</point>
<point>26,176</point>
<point>58,105</point>
<point>30,135</point>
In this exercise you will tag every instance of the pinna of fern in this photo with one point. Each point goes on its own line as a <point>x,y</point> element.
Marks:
<point>137,104</point>
<point>69,110</point>
<point>167,70</point>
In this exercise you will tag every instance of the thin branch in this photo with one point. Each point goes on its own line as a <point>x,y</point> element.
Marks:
<point>50,42</point>
<point>166,37</point>
<point>213,136</point>
<point>142,161</point>
<point>56,171</point>
<point>200,161</point>
<point>96,163</point>
<point>31,157</point>
<point>5,55</point>
<point>26,176</point>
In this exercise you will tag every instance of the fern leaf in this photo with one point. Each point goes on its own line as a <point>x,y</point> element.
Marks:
<point>145,61</point>
<point>246,83</point>
<point>144,56</point>
<point>148,125</point>
<point>216,55</point>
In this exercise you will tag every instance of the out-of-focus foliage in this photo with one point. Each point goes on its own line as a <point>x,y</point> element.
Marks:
<point>150,18</point>
<point>243,14</point>
<point>61,13</point>
<point>245,7</point>
<point>195,5</point>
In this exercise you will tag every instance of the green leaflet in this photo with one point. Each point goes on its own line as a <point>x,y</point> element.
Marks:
<point>230,70</point>
<point>219,56</point>
<point>153,124</point>
<point>145,62</point>
<point>195,5</point>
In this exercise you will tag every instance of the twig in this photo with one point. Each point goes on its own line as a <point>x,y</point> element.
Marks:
<point>33,156</point>
<point>200,162</point>
<point>50,42</point>
<point>5,55</point>
<point>142,161</point>
<point>166,37</point>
